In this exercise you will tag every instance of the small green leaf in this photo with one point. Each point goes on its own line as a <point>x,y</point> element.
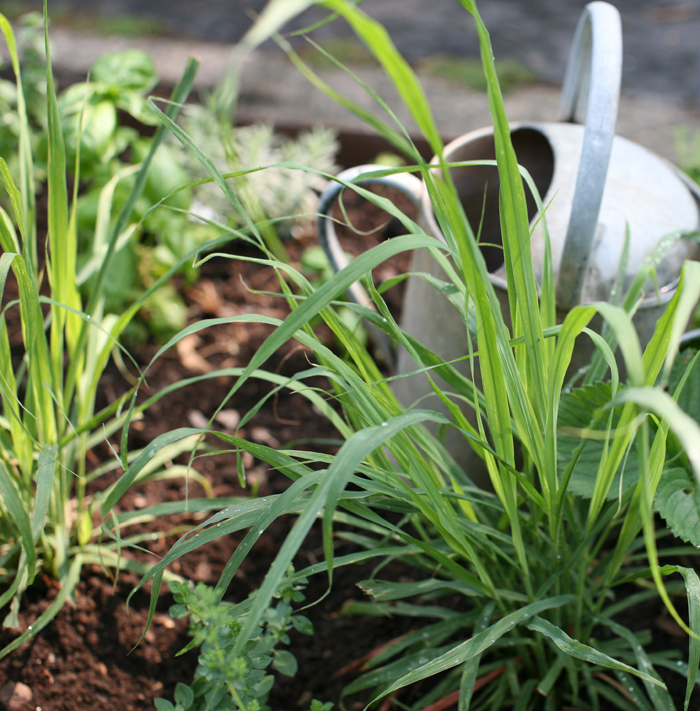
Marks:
<point>677,501</point>
<point>285,662</point>
<point>302,624</point>
<point>131,69</point>
<point>184,696</point>
<point>163,705</point>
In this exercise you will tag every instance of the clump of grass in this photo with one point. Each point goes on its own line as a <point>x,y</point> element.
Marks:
<point>512,72</point>
<point>348,51</point>
<point>523,581</point>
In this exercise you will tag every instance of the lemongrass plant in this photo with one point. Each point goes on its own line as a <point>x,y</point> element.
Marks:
<point>532,571</point>
<point>50,420</point>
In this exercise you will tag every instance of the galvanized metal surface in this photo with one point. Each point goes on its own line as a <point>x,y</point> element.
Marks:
<point>590,96</point>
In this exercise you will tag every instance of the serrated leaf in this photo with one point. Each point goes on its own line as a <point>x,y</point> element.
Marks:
<point>677,501</point>
<point>576,411</point>
<point>689,397</point>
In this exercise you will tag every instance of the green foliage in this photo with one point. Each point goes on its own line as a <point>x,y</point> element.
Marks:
<point>512,73</point>
<point>109,152</point>
<point>346,50</point>
<point>49,386</point>
<point>226,679</point>
<point>526,577</point>
<point>284,196</point>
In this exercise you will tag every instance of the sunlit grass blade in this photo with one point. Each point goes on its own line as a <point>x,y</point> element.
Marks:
<point>27,201</point>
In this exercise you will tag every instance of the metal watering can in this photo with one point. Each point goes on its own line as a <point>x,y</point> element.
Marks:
<point>599,186</point>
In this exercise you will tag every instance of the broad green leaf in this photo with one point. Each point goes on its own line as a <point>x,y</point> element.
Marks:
<point>578,650</point>
<point>284,662</point>
<point>677,501</point>
<point>130,69</point>
<point>576,412</point>
<point>184,695</point>
<point>689,397</point>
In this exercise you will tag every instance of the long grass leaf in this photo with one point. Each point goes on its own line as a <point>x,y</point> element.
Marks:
<point>15,508</point>
<point>692,584</point>
<point>578,650</point>
<point>479,643</point>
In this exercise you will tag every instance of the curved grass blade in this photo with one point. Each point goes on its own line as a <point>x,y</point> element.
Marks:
<point>15,507</point>
<point>479,643</point>
<point>578,650</point>
<point>471,666</point>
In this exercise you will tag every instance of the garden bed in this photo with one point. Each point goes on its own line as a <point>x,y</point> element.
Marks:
<point>90,657</point>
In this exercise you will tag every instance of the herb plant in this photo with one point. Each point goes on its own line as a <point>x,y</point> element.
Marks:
<point>524,579</point>
<point>224,680</point>
<point>49,381</point>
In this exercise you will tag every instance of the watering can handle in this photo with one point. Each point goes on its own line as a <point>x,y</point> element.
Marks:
<point>408,184</point>
<point>590,96</point>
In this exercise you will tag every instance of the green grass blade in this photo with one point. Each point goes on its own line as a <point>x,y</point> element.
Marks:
<point>660,697</point>
<point>471,666</point>
<point>578,650</point>
<point>478,643</point>
<point>45,473</point>
<point>351,454</point>
<point>15,507</point>
<point>692,584</point>
<point>14,195</point>
<point>402,76</point>
<point>26,168</point>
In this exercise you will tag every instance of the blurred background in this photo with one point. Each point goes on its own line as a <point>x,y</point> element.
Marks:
<point>662,38</point>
